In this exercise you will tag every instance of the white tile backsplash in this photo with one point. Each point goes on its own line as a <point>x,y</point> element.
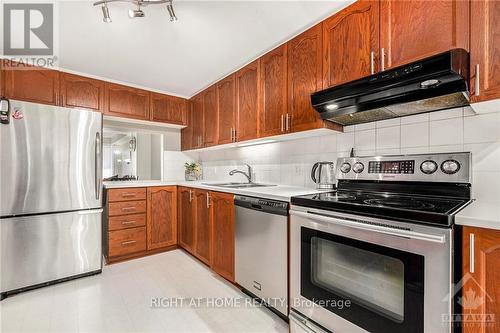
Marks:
<point>290,162</point>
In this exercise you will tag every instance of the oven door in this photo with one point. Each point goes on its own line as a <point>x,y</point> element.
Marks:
<point>357,274</point>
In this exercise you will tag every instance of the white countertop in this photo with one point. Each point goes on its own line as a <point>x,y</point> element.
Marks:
<point>278,192</point>
<point>482,214</point>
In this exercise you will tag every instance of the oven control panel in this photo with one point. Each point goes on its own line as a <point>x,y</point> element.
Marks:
<point>446,167</point>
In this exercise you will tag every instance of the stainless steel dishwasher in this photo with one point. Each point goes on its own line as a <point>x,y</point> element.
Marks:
<point>261,250</point>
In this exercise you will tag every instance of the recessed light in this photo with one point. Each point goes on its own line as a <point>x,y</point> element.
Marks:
<point>331,107</point>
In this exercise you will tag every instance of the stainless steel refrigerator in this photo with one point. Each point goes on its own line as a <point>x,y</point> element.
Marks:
<point>50,195</point>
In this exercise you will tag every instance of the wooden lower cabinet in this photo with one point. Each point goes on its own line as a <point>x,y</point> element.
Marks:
<point>222,215</point>
<point>206,223</point>
<point>140,221</point>
<point>481,278</point>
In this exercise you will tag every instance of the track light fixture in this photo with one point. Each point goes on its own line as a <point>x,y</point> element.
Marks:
<point>133,13</point>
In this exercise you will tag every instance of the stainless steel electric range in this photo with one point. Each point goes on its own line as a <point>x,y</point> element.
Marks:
<point>378,254</point>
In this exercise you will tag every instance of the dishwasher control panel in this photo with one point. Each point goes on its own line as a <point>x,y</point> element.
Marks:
<point>265,205</point>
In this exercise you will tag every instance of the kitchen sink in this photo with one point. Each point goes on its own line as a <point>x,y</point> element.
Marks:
<point>238,185</point>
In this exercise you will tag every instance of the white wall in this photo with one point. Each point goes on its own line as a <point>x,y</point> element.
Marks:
<point>442,131</point>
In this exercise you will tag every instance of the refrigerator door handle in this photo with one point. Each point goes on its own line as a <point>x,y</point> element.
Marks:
<point>90,212</point>
<point>98,167</point>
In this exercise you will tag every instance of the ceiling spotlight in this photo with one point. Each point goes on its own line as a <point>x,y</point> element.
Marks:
<point>171,11</point>
<point>135,13</point>
<point>105,13</point>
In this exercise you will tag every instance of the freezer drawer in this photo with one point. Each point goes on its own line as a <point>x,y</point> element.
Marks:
<point>43,248</point>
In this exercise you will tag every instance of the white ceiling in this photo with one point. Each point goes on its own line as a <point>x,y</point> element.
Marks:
<point>210,40</point>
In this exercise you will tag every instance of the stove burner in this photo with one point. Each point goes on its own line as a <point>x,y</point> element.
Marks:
<point>335,196</point>
<point>400,203</point>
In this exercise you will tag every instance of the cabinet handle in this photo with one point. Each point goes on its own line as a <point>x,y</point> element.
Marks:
<point>471,252</point>
<point>208,200</point>
<point>128,222</point>
<point>234,135</point>
<point>372,62</point>
<point>128,195</point>
<point>382,59</point>
<point>129,242</point>
<point>126,209</point>
<point>231,133</point>
<point>287,122</point>
<point>190,195</point>
<point>282,122</point>
<point>477,82</point>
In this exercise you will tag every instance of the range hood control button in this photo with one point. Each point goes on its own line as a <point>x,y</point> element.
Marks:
<point>358,167</point>
<point>450,167</point>
<point>345,167</point>
<point>428,167</point>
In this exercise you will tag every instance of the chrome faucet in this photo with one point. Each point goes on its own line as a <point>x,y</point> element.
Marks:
<point>248,175</point>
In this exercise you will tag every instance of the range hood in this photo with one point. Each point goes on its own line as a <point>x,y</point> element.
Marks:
<point>435,83</point>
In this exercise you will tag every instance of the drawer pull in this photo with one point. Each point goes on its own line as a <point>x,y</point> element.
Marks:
<point>128,222</point>
<point>129,242</point>
<point>129,195</point>
<point>125,209</point>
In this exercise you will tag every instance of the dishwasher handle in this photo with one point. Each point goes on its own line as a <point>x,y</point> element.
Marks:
<point>262,205</point>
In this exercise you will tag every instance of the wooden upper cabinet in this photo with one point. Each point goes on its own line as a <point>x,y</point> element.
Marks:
<point>198,121</point>
<point>273,87</point>
<point>203,229</point>
<point>485,50</point>
<point>247,101</point>
<point>481,289</point>
<point>32,84</point>
<point>81,92</point>
<point>304,77</point>
<point>222,215</point>
<point>187,132</point>
<point>162,217</point>
<point>185,218</point>
<point>226,105</point>
<point>351,43</point>
<point>168,109</point>
<point>210,113</point>
<point>412,30</point>
<point>124,101</point>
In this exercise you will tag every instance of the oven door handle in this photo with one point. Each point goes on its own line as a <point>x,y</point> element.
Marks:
<point>371,227</point>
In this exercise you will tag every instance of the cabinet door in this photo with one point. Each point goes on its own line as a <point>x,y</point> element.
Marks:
<point>123,101</point>
<point>485,50</point>
<point>198,120</point>
<point>210,112</point>
<point>203,228</point>
<point>187,132</point>
<point>226,105</point>
<point>162,217</point>
<point>222,214</point>
<point>304,77</point>
<point>81,92</point>
<point>247,101</point>
<point>31,84</point>
<point>481,276</point>
<point>186,218</point>
<point>273,91</point>
<point>168,109</point>
<point>412,30</point>
<point>351,43</point>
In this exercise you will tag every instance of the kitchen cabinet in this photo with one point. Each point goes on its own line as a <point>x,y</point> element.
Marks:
<point>273,89</point>
<point>226,104</point>
<point>168,109</point>
<point>304,77</point>
<point>81,92</point>
<point>187,132</point>
<point>210,114</point>
<point>186,218</point>
<point>31,84</point>
<point>222,215</point>
<point>412,30</point>
<point>481,273</point>
<point>203,230</point>
<point>350,43</point>
<point>162,217</point>
<point>247,101</point>
<point>198,120</point>
<point>128,102</point>
<point>485,50</point>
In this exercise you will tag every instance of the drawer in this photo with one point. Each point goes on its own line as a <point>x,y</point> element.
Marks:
<point>126,207</point>
<point>126,221</point>
<point>126,194</point>
<point>127,241</point>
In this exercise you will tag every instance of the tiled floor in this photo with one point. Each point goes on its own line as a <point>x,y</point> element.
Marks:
<point>119,300</point>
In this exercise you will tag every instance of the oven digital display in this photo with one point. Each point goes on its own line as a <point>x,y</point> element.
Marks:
<point>407,166</point>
